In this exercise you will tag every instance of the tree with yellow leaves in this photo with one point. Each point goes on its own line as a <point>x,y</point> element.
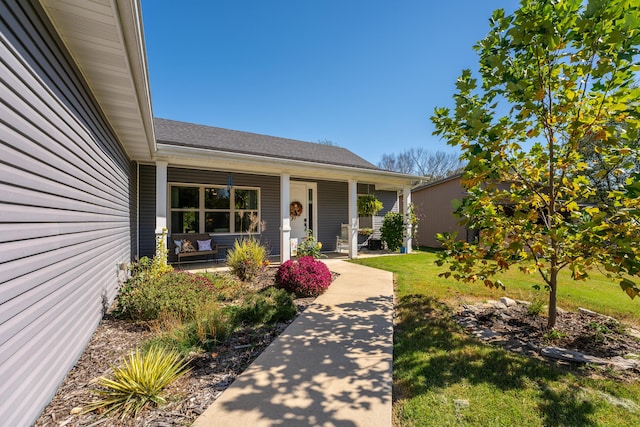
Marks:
<point>556,77</point>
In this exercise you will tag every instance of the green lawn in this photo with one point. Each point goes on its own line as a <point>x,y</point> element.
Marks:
<point>442,377</point>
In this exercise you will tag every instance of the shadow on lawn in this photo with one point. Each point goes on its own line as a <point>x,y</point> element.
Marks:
<point>425,326</point>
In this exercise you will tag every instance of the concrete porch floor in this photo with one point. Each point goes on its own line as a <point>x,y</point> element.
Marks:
<point>220,265</point>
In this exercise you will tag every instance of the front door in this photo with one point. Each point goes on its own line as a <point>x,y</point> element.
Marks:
<point>302,209</point>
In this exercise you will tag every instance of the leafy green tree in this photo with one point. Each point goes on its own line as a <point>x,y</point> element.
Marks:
<point>554,75</point>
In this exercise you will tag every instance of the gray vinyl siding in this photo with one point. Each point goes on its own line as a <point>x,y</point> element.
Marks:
<point>389,201</point>
<point>147,210</point>
<point>269,201</point>
<point>333,211</point>
<point>333,208</point>
<point>66,216</point>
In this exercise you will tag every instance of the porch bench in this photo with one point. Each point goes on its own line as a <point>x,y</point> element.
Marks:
<point>193,238</point>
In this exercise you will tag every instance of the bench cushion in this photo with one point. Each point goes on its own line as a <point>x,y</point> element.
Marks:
<point>204,245</point>
<point>181,242</point>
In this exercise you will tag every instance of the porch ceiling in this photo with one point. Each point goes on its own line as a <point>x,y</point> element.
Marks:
<point>106,41</point>
<point>190,157</point>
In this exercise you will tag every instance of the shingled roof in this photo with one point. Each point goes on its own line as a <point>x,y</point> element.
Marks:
<point>213,138</point>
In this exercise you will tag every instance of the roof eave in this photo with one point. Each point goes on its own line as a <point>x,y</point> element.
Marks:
<point>119,79</point>
<point>251,163</point>
<point>438,182</point>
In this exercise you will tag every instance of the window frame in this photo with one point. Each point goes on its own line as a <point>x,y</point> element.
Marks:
<point>202,210</point>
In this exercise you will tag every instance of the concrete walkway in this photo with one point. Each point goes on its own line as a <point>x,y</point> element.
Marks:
<point>330,367</point>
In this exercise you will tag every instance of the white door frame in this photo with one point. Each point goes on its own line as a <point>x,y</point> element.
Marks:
<point>314,202</point>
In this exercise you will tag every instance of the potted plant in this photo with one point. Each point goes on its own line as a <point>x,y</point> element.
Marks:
<point>366,231</point>
<point>368,205</point>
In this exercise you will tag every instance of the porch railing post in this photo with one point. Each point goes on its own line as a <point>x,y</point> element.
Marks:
<point>161,197</point>
<point>285,222</point>
<point>353,218</point>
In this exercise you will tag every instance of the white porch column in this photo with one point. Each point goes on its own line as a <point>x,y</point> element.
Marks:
<point>406,202</point>
<point>353,218</point>
<point>161,196</point>
<point>285,222</point>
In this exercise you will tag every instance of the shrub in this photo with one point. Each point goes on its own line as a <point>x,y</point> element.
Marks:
<point>309,247</point>
<point>227,288</point>
<point>140,380</point>
<point>178,293</point>
<point>247,259</point>
<point>159,264</point>
<point>306,277</point>
<point>267,307</point>
<point>392,231</point>
<point>151,268</point>
<point>211,324</point>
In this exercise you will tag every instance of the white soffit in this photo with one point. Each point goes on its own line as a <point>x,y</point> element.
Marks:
<point>106,41</point>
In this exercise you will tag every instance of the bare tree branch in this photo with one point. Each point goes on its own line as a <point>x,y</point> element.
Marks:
<point>418,161</point>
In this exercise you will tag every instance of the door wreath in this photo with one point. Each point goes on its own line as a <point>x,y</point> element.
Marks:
<point>295,209</point>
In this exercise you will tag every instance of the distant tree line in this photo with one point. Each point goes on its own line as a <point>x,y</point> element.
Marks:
<point>417,161</point>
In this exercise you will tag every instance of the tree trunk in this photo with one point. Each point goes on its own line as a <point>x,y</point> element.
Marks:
<point>553,310</point>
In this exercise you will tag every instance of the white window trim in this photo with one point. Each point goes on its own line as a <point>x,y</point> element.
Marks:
<point>201,209</point>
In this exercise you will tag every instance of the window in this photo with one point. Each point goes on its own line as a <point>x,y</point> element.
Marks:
<point>185,202</point>
<point>245,205</point>
<point>211,209</point>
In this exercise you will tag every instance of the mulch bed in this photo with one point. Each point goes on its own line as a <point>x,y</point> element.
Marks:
<point>213,372</point>
<point>583,332</point>
<point>188,397</point>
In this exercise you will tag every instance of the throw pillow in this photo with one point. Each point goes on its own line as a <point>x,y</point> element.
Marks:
<point>187,246</point>
<point>178,244</point>
<point>204,245</point>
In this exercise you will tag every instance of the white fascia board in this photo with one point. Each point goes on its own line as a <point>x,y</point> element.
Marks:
<point>131,19</point>
<point>114,26</point>
<point>250,163</point>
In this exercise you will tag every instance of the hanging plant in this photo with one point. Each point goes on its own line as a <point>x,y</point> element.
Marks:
<point>295,209</point>
<point>368,205</point>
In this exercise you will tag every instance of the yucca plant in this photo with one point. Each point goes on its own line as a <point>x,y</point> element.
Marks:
<point>140,380</point>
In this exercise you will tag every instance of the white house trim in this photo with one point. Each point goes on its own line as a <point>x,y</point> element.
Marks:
<point>285,224</point>
<point>353,218</point>
<point>107,43</point>
<point>161,196</point>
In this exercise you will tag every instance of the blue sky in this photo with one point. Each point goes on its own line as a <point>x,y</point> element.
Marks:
<point>365,75</point>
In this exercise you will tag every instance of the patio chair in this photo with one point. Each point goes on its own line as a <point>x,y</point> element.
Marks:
<point>342,241</point>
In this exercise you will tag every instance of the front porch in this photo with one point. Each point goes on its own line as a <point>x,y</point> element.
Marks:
<point>220,204</point>
<point>216,181</point>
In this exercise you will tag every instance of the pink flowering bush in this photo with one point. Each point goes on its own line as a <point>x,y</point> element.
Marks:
<point>306,277</point>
